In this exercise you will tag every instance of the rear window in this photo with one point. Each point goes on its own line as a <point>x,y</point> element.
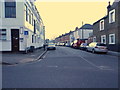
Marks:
<point>51,44</point>
<point>100,44</point>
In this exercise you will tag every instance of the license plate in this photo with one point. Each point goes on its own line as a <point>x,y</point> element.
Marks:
<point>102,48</point>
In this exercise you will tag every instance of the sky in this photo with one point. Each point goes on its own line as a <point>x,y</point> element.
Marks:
<point>59,17</point>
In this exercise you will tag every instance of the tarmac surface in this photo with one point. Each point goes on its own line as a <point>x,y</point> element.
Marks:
<point>64,68</point>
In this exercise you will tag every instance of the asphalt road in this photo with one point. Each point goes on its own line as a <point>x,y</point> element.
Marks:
<point>64,68</point>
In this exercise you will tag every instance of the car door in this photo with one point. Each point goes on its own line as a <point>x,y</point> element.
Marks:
<point>90,46</point>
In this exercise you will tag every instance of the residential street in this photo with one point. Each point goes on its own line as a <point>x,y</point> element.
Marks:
<point>64,68</point>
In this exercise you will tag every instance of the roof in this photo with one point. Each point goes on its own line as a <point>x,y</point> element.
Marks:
<point>116,0</point>
<point>101,19</point>
<point>114,5</point>
<point>87,26</point>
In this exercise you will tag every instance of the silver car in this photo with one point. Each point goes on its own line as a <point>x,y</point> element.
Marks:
<point>97,47</point>
<point>51,46</point>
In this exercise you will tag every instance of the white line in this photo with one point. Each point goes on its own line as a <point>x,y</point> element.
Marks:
<point>43,56</point>
<point>40,56</point>
<point>90,62</point>
<point>46,54</point>
<point>39,60</point>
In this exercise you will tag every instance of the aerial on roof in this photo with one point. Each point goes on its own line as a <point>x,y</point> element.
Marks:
<point>87,26</point>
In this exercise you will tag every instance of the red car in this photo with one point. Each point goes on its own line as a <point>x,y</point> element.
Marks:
<point>77,43</point>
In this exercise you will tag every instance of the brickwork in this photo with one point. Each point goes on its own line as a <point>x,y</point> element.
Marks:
<point>109,28</point>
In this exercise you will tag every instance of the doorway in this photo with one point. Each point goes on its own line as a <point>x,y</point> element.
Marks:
<point>15,40</point>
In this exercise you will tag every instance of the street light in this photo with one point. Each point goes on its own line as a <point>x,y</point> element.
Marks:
<point>82,30</point>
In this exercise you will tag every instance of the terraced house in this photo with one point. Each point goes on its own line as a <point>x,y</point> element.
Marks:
<point>21,25</point>
<point>107,29</point>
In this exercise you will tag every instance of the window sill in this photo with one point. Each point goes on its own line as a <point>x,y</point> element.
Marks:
<point>112,43</point>
<point>3,40</point>
<point>101,29</point>
<point>10,17</point>
<point>111,22</point>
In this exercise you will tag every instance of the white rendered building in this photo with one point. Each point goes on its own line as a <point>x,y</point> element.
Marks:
<point>84,31</point>
<point>20,25</point>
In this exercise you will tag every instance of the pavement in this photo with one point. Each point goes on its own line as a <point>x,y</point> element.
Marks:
<point>9,58</point>
<point>114,53</point>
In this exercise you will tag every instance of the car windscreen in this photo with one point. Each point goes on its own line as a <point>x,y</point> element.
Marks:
<point>100,44</point>
<point>84,44</point>
<point>51,44</point>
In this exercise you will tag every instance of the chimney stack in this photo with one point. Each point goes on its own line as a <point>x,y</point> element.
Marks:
<point>108,7</point>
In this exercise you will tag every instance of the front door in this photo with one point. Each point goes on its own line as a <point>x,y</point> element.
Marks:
<point>15,40</point>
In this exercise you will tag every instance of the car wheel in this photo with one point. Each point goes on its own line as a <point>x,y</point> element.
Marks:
<point>105,52</point>
<point>86,49</point>
<point>93,51</point>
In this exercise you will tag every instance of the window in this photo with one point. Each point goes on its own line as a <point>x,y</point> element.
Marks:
<point>100,44</point>
<point>103,39</point>
<point>102,25</point>
<point>2,34</point>
<point>32,38</point>
<point>35,39</point>
<point>32,20</point>
<point>94,39</point>
<point>10,9</point>
<point>29,16</point>
<point>26,12</point>
<point>38,38</point>
<point>34,27</point>
<point>111,38</point>
<point>112,16</point>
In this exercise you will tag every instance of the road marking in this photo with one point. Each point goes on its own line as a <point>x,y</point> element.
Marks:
<point>43,56</point>
<point>90,63</point>
<point>46,54</point>
<point>53,66</point>
<point>105,68</point>
<point>39,60</point>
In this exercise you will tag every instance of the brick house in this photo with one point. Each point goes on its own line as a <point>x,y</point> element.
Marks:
<point>64,38</point>
<point>107,29</point>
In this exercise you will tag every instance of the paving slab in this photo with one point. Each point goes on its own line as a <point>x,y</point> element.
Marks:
<point>16,58</point>
<point>114,53</point>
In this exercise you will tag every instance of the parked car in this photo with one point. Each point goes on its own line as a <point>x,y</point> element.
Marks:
<point>77,43</point>
<point>67,45</point>
<point>51,46</point>
<point>97,47</point>
<point>61,44</point>
<point>83,46</point>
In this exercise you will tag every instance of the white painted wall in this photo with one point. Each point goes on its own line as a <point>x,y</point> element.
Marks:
<point>71,38</point>
<point>85,33</point>
<point>16,23</point>
<point>76,35</point>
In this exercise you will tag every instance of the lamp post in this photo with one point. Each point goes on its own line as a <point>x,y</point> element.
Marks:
<point>82,31</point>
<point>44,34</point>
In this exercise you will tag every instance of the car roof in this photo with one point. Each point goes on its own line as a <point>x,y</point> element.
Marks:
<point>51,43</point>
